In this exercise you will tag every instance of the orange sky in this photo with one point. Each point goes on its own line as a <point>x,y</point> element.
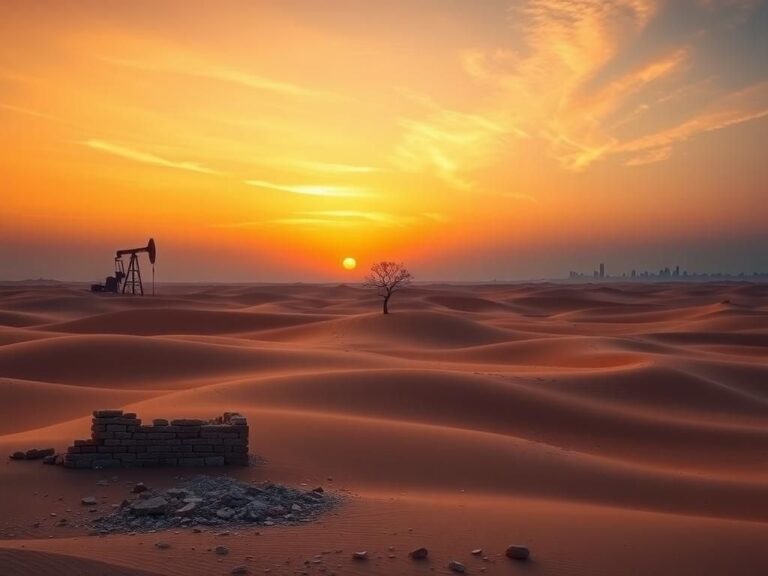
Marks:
<point>473,140</point>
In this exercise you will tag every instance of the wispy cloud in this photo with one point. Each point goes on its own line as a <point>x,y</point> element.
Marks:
<point>735,108</point>
<point>311,189</point>
<point>27,112</point>
<point>190,65</point>
<point>382,218</point>
<point>575,89</point>
<point>344,219</point>
<point>146,157</point>
<point>321,167</point>
<point>448,143</point>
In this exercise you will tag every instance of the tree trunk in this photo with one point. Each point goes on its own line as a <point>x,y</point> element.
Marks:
<point>386,305</point>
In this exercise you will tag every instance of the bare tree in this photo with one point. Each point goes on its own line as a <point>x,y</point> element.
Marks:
<point>387,278</point>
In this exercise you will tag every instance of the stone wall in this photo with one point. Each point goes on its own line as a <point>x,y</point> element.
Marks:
<point>120,440</point>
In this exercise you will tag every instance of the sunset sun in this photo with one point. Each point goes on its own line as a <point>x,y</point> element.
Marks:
<point>349,263</point>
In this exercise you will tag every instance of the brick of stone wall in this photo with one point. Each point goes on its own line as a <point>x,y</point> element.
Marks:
<point>120,440</point>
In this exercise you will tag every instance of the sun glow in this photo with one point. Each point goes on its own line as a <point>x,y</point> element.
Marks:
<point>349,263</point>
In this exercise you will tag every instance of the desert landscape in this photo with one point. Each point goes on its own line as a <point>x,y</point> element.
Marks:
<point>611,428</point>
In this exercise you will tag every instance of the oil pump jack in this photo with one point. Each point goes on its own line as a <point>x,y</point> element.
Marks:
<point>130,281</point>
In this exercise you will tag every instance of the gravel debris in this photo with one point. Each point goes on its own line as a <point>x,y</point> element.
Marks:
<point>216,501</point>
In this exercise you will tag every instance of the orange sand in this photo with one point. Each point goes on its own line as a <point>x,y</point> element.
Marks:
<point>613,429</point>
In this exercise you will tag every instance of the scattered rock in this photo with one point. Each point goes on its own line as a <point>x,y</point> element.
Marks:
<point>477,551</point>
<point>419,553</point>
<point>149,507</point>
<point>225,513</point>
<point>240,570</point>
<point>221,550</point>
<point>456,566</point>
<point>361,555</point>
<point>186,510</point>
<point>139,488</point>
<point>53,459</point>
<point>89,501</point>
<point>33,454</point>
<point>518,552</point>
<point>162,545</point>
<point>213,501</point>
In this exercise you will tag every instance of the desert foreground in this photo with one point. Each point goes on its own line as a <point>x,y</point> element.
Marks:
<point>613,429</point>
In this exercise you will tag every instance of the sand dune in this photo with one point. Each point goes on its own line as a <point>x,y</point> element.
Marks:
<point>39,404</point>
<point>180,321</point>
<point>594,423</point>
<point>115,361</point>
<point>425,329</point>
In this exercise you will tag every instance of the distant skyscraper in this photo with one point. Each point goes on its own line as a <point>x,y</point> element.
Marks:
<point>602,270</point>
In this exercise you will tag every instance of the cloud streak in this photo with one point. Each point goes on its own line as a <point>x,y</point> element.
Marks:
<point>311,189</point>
<point>178,63</point>
<point>146,157</point>
<point>578,85</point>
<point>448,143</point>
<point>322,167</point>
<point>27,112</point>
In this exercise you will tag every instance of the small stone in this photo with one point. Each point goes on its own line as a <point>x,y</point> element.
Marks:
<point>456,566</point>
<point>361,555</point>
<point>89,501</point>
<point>419,553</point>
<point>477,551</point>
<point>187,509</point>
<point>318,490</point>
<point>240,570</point>
<point>296,508</point>
<point>225,513</point>
<point>149,507</point>
<point>35,454</point>
<point>162,545</point>
<point>518,552</point>
<point>177,492</point>
<point>221,550</point>
<point>139,488</point>
<point>17,456</point>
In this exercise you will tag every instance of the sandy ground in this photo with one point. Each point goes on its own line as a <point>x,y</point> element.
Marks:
<point>615,429</point>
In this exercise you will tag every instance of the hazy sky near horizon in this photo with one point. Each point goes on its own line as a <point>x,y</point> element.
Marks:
<point>472,140</point>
